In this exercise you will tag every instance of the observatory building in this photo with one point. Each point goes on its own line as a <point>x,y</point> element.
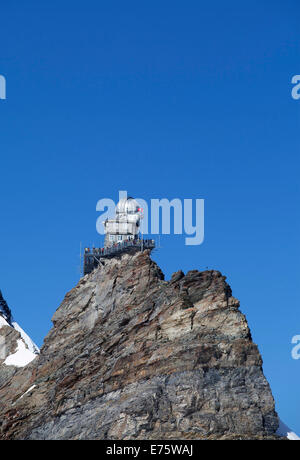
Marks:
<point>122,234</point>
<point>125,226</point>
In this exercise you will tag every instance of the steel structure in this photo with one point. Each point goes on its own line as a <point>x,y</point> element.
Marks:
<point>121,235</point>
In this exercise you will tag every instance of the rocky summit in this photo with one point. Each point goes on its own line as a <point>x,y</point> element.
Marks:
<point>132,356</point>
<point>16,348</point>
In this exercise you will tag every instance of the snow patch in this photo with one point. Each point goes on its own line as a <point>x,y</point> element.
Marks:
<point>30,344</point>
<point>29,389</point>
<point>21,357</point>
<point>285,431</point>
<point>3,322</point>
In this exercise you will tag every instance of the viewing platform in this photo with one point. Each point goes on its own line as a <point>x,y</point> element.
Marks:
<point>93,256</point>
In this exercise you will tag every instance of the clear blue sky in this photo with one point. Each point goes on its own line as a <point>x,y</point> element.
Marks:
<point>163,99</point>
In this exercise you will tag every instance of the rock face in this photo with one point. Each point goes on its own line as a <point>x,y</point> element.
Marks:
<point>131,356</point>
<point>16,348</point>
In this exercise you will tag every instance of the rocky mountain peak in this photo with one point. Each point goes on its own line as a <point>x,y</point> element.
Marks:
<point>5,310</point>
<point>16,348</point>
<point>133,356</point>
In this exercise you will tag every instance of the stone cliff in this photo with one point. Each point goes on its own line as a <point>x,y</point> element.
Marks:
<point>16,348</point>
<point>131,356</point>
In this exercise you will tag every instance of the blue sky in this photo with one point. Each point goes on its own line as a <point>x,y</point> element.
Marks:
<point>164,99</point>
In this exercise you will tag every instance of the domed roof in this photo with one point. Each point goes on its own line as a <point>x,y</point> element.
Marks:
<point>127,206</point>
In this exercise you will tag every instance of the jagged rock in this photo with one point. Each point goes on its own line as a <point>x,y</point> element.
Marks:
<point>16,348</point>
<point>5,310</point>
<point>132,356</point>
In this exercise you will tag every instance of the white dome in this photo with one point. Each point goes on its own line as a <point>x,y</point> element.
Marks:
<point>127,206</point>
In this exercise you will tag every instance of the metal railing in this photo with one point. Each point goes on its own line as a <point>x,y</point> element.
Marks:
<point>120,247</point>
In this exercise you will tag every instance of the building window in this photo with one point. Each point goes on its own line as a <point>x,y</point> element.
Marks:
<point>111,237</point>
<point>120,238</point>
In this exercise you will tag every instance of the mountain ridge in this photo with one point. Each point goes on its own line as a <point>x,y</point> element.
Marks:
<point>132,356</point>
<point>16,348</point>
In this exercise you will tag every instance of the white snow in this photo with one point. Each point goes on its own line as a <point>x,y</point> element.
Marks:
<point>29,389</point>
<point>285,431</point>
<point>21,357</point>
<point>31,345</point>
<point>26,348</point>
<point>3,322</point>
